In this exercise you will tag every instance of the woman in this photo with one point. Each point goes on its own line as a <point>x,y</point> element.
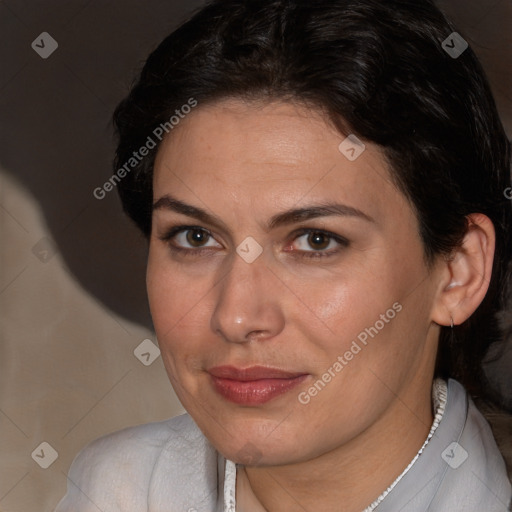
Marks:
<point>322,188</point>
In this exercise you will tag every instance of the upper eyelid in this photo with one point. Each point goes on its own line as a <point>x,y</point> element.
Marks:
<point>176,230</point>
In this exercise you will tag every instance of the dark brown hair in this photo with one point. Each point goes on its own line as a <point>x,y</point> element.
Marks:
<point>376,69</point>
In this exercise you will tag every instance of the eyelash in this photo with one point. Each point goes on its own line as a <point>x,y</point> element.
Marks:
<point>297,234</point>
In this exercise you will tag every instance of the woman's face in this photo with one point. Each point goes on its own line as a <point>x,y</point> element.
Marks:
<point>293,308</point>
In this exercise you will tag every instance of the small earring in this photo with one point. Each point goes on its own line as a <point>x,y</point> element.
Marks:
<point>451,322</point>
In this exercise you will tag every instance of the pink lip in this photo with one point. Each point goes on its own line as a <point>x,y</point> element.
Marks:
<point>253,386</point>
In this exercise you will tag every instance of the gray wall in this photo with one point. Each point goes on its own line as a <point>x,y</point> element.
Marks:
<point>72,299</point>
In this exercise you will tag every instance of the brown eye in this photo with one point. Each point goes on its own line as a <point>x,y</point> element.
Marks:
<point>314,243</point>
<point>190,239</point>
<point>318,240</point>
<point>197,237</point>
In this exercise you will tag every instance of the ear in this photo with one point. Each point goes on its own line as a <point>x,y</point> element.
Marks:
<point>466,274</point>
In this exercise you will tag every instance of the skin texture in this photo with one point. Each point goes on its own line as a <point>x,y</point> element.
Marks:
<point>244,162</point>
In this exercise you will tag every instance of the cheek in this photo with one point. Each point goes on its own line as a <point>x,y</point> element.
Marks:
<point>337,305</point>
<point>181,307</point>
<point>366,313</point>
<point>173,294</point>
<point>171,302</point>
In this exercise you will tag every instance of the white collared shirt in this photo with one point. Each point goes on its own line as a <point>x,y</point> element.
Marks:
<point>170,466</point>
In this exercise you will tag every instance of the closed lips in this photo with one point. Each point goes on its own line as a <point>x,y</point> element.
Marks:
<point>252,373</point>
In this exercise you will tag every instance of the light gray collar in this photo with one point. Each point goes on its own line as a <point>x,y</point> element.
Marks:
<point>458,468</point>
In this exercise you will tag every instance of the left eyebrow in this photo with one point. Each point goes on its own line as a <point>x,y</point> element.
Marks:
<point>284,218</point>
<point>314,211</point>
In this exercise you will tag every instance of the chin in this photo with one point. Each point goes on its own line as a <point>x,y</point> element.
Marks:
<point>251,454</point>
<point>257,443</point>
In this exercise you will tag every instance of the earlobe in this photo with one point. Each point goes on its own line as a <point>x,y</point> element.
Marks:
<point>466,274</point>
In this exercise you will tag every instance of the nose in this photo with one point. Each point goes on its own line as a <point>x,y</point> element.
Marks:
<point>248,306</point>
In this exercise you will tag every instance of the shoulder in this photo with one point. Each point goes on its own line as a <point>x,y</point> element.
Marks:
<point>114,471</point>
<point>460,468</point>
<point>134,448</point>
<point>482,472</point>
<point>501,425</point>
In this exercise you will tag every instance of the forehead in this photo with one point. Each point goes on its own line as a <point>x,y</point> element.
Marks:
<point>275,153</point>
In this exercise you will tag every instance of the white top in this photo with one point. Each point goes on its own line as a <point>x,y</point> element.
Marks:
<point>170,466</point>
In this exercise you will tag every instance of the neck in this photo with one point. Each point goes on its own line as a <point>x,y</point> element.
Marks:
<point>353,474</point>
